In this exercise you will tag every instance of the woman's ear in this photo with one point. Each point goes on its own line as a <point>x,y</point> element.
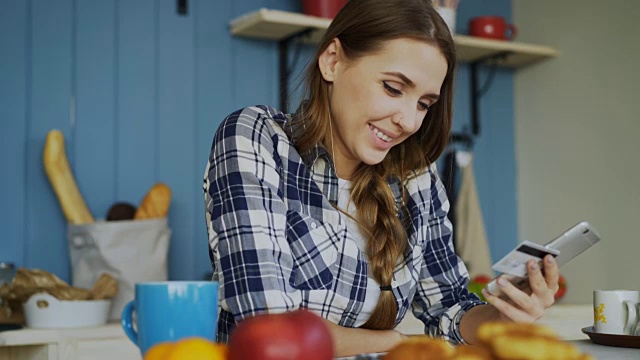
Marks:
<point>329,59</point>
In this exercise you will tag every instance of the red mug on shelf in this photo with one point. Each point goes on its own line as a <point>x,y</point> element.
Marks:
<point>322,8</point>
<point>492,27</point>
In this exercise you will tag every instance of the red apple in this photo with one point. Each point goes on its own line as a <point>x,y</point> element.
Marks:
<point>481,279</point>
<point>562,283</point>
<point>478,283</point>
<point>294,335</point>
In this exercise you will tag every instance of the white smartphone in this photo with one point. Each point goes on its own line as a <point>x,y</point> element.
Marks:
<point>571,243</point>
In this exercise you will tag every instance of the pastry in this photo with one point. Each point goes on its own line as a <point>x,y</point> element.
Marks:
<point>514,341</point>
<point>496,341</point>
<point>421,348</point>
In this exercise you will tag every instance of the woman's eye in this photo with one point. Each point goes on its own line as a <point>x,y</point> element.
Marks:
<point>423,106</point>
<point>391,89</point>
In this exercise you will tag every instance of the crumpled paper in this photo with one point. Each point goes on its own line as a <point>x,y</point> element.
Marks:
<point>28,282</point>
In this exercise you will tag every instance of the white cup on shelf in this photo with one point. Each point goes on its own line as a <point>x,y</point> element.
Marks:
<point>449,17</point>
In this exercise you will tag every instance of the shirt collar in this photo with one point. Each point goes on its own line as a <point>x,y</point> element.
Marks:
<point>295,128</point>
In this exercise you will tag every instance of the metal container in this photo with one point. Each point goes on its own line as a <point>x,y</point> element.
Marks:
<point>7,272</point>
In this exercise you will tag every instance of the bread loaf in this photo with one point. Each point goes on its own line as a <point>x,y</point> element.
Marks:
<point>121,211</point>
<point>155,203</point>
<point>59,173</point>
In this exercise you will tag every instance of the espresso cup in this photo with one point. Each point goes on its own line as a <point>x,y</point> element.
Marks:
<point>171,310</point>
<point>492,27</point>
<point>615,311</point>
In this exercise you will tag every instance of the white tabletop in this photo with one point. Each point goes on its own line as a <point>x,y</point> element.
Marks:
<point>602,352</point>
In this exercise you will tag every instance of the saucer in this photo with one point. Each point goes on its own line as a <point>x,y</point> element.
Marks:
<point>628,341</point>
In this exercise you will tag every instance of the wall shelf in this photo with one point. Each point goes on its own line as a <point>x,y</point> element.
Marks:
<point>280,25</point>
<point>284,27</point>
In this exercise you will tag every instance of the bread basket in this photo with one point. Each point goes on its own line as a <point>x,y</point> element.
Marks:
<point>42,310</point>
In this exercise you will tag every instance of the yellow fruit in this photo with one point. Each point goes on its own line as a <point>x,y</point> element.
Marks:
<point>158,351</point>
<point>196,349</point>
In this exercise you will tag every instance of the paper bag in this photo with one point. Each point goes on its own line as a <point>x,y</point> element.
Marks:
<point>131,251</point>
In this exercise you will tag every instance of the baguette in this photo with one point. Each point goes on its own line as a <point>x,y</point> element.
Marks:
<point>155,203</point>
<point>59,173</point>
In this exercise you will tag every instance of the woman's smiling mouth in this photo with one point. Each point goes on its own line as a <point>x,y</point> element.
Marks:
<point>381,134</point>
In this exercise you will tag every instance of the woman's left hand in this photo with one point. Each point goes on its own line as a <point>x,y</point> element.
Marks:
<point>522,306</point>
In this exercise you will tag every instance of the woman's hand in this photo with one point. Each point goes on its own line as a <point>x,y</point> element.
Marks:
<point>528,307</point>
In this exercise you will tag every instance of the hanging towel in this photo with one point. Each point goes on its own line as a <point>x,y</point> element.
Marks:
<point>471,238</point>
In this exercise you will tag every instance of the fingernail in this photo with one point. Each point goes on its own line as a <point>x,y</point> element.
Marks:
<point>502,281</point>
<point>534,266</point>
<point>550,259</point>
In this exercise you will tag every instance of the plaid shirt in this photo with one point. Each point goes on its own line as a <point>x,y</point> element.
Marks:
<point>277,244</point>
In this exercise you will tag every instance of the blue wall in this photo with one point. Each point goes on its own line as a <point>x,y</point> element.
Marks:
<point>138,92</point>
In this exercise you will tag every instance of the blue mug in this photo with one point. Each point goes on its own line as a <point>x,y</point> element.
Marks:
<point>171,310</point>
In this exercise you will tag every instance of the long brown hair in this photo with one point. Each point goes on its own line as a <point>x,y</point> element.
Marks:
<point>362,27</point>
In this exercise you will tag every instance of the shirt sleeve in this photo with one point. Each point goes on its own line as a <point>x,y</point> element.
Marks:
<point>442,296</point>
<point>246,218</point>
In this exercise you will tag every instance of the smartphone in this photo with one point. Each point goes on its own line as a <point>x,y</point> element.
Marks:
<point>570,244</point>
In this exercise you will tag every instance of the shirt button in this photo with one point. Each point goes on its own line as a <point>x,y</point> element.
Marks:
<point>314,225</point>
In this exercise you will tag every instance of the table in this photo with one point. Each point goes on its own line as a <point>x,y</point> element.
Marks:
<point>567,320</point>
<point>105,342</point>
<point>602,352</point>
<point>599,352</point>
<point>110,342</point>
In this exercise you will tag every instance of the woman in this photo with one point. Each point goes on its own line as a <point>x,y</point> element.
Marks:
<point>338,208</point>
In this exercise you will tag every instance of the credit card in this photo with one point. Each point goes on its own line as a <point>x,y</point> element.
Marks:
<point>515,262</point>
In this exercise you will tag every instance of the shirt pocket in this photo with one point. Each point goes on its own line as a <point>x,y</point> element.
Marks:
<point>314,249</point>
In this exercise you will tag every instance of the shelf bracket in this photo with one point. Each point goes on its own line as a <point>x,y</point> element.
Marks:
<point>476,91</point>
<point>464,138</point>
<point>284,69</point>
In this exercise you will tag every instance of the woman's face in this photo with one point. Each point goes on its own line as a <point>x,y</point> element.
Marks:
<point>379,100</point>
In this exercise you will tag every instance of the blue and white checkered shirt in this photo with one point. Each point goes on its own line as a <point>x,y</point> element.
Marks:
<point>277,244</point>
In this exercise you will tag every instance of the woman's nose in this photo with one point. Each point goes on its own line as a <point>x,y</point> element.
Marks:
<point>406,121</point>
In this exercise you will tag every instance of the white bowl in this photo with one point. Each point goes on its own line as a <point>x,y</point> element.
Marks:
<point>45,311</point>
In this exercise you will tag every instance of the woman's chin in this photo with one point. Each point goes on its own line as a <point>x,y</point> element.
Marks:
<point>374,159</point>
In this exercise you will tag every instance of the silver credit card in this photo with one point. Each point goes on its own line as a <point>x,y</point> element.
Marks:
<point>515,262</point>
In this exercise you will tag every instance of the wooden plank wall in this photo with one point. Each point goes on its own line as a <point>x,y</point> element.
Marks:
<point>138,91</point>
